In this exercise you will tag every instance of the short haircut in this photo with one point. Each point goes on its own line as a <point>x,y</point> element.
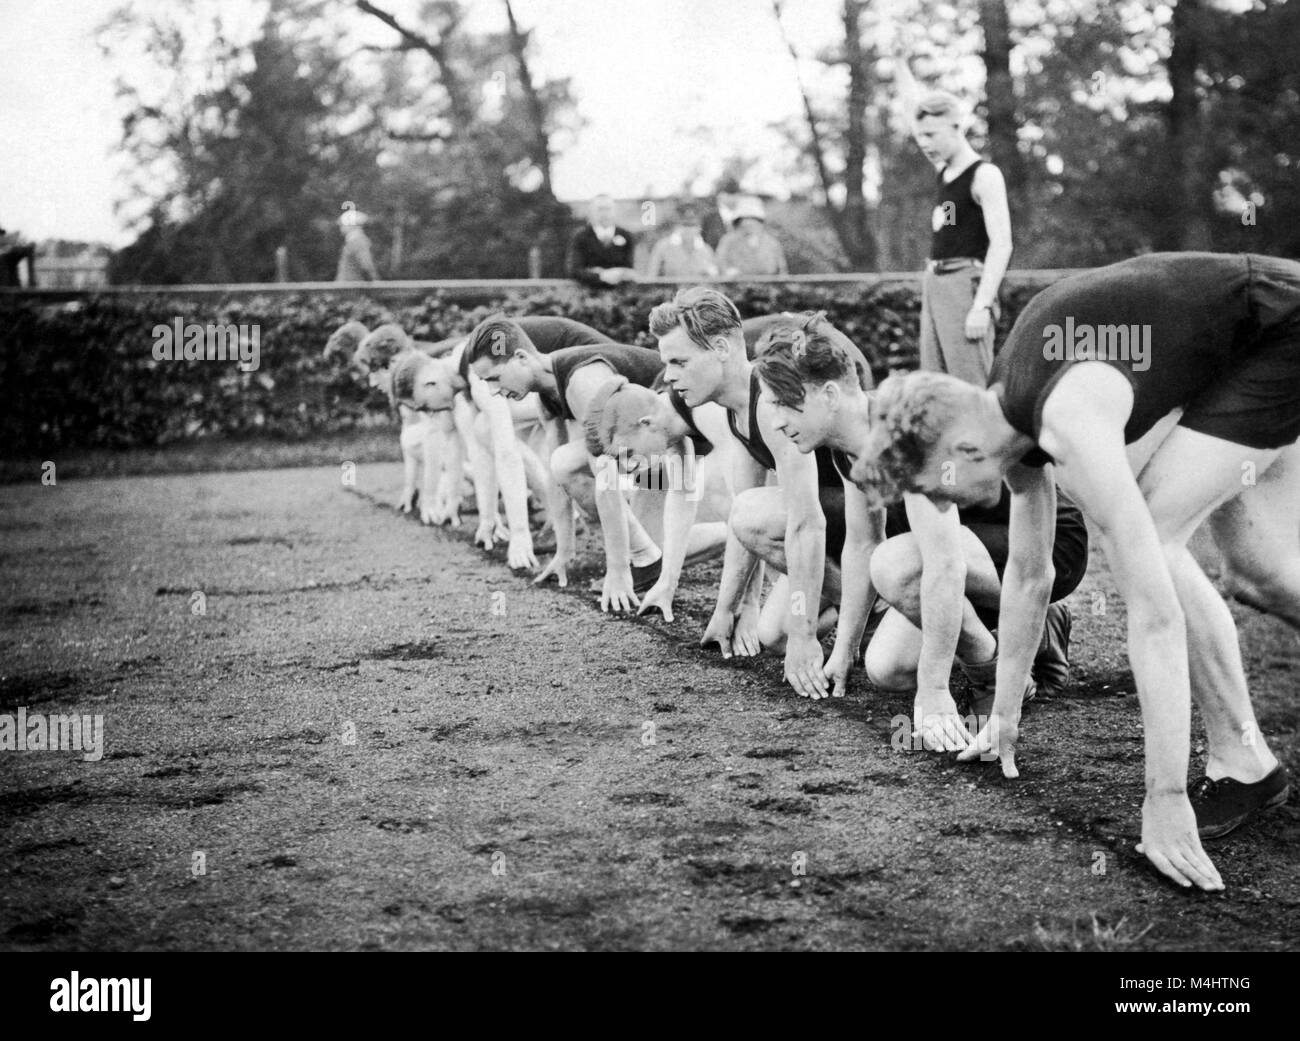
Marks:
<point>614,406</point>
<point>344,340</point>
<point>912,412</point>
<point>701,310</point>
<point>405,372</point>
<point>378,349</point>
<point>941,104</point>
<point>807,349</point>
<point>495,338</point>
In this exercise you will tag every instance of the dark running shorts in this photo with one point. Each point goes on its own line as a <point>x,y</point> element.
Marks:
<point>1257,402</point>
<point>1069,559</point>
<point>831,497</point>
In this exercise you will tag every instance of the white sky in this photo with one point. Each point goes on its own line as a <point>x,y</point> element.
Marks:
<point>645,73</point>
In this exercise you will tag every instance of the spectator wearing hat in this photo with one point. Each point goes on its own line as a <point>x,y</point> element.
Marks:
<point>749,248</point>
<point>683,253</point>
<point>356,264</point>
<point>601,253</point>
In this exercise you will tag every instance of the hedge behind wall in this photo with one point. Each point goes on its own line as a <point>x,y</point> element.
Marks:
<point>82,373</point>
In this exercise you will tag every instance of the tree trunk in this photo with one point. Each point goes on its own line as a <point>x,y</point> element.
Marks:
<point>856,234</point>
<point>1001,96</point>
<point>1186,225</point>
<point>815,146</point>
<point>541,149</point>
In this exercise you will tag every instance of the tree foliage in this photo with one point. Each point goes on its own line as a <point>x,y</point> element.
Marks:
<point>446,146</point>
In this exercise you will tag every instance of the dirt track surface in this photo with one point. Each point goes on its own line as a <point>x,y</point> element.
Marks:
<point>500,726</point>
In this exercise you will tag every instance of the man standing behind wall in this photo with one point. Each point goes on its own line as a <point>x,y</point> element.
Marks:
<point>969,249</point>
<point>600,254</point>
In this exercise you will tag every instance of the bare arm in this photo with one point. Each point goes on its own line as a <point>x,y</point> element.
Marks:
<point>805,556</point>
<point>558,506</point>
<point>480,462</point>
<point>509,467</point>
<point>737,561</point>
<point>1083,429</point>
<point>989,189</point>
<point>680,508</point>
<point>864,530</point>
<point>943,588</point>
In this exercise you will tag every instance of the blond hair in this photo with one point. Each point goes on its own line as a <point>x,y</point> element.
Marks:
<point>912,412</point>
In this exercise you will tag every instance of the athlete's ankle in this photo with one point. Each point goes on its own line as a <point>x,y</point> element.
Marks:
<point>1247,763</point>
<point>645,557</point>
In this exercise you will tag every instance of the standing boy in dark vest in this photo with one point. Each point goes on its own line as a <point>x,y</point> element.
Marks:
<point>969,249</point>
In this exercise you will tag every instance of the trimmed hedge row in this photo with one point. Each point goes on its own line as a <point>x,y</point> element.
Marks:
<point>83,374</point>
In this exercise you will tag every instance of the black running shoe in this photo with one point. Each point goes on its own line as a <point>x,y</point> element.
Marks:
<point>1051,669</point>
<point>644,578</point>
<point>1224,805</point>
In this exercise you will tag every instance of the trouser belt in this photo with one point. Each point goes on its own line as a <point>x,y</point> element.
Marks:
<point>950,264</point>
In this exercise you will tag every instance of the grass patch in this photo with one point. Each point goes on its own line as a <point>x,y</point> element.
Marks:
<point>1092,934</point>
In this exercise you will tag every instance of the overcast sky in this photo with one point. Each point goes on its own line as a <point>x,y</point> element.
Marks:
<point>645,73</point>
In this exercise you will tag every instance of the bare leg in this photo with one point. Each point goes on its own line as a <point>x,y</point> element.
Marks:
<point>1190,476</point>
<point>893,653</point>
<point>412,440</point>
<point>758,517</point>
<point>772,618</point>
<point>896,573</point>
<point>1258,533</point>
<point>571,469</point>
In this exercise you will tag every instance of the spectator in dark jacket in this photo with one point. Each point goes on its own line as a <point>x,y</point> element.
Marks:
<point>601,253</point>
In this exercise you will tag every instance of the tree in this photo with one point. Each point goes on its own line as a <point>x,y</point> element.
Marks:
<point>443,137</point>
<point>250,157</point>
<point>851,218</point>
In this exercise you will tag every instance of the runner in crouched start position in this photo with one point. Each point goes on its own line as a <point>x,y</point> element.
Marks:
<point>423,439</point>
<point>570,384</point>
<point>670,447</point>
<point>937,573</point>
<point>500,438</point>
<point>795,527</point>
<point>1219,336</point>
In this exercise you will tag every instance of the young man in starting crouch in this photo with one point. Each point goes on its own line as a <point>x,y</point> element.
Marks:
<point>937,572</point>
<point>570,383</point>
<point>702,342</point>
<point>1093,363</point>
<point>499,437</point>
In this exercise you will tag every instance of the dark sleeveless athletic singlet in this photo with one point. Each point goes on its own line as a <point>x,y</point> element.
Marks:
<point>1216,334</point>
<point>639,365</point>
<point>960,231</point>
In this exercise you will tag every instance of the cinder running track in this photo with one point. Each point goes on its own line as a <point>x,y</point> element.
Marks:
<point>375,737</point>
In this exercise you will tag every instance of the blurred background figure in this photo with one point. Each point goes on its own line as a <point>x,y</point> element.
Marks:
<point>749,248</point>
<point>356,264</point>
<point>600,254</point>
<point>13,251</point>
<point>683,253</point>
<point>719,218</point>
